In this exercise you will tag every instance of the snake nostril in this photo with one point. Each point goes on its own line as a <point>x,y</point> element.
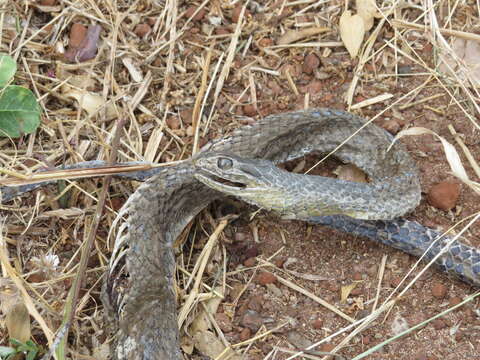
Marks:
<point>224,163</point>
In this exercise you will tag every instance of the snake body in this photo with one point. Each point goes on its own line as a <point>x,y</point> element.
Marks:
<point>139,289</point>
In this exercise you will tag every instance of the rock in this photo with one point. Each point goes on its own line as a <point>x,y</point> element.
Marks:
<point>236,13</point>
<point>224,322</point>
<point>444,195</point>
<point>265,278</point>
<point>250,262</point>
<point>455,301</point>
<point>357,276</point>
<point>256,303</point>
<point>439,290</point>
<point>310,64</point>
<point>392,126</point>
<point>173,123</point>
<point>78,32</point>
<point>252,320</point>
<point>245,334</point>
<point>142,30</point>
<point>438,324</point>
<point>200,15</point>
<point>317,324</point>
<point>249,110</point>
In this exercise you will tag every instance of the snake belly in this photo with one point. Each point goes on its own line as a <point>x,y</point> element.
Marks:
<point>138,291</point>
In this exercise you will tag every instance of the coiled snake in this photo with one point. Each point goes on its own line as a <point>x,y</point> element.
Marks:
<point>139,290</point>
<point>139,287</point>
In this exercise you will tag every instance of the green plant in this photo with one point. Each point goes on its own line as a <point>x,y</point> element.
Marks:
<point>28,348</point>
<point>19,110</point>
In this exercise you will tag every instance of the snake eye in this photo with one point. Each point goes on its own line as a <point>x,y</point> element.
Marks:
<point>224,163</point>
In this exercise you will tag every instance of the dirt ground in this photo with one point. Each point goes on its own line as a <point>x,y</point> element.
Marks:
<point>260,249</point>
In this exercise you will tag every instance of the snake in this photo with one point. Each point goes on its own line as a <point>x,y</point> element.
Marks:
<point>138,292</point>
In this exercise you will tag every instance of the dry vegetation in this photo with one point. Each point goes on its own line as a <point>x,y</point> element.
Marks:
<point>162,79</point>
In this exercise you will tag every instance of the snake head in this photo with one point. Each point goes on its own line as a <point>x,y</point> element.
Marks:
<point>252,180</point>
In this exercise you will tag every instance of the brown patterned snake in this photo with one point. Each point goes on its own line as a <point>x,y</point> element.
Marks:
<point>139,288</point>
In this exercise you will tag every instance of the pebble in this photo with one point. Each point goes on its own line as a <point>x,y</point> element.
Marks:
<point>249,110</point>
<point>265,278</point>
<point>48,2</point>
<point>77,34</point>
<point>245,334</point>
<point>240,236</point>
<point>357,276</point>
<point>256,303</point>
<point>252,320</point>
<point>187,115</point>
<point>438,324</point>
<point>310,64</point>
<point>236,13</point>
<point>439,290</point>
<point>314,87</point>
<point>173,123</point>
<point>455,301</point>
<point>224,322</point>
<point>392,126</point>
<point>142,30</point>
<point>444,195</point>
<point>317,324</point>
<point>200,15</point>
<point>252,251</point>
<point>327,347</point>
<point>250,262</point>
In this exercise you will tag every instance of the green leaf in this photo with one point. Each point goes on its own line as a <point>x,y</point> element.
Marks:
<point>6,350</point>
<point>19,111</point>
<point>8,68</point>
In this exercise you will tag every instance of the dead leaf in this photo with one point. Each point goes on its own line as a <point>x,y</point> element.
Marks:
<point>17,321</point>
<point>345,291</point>
<point>294,35</point>
<point>91,102</point>
<point>468,54</point>
<point>350,172</point>
<point>367,10</point>
<point>201,321</point>
<point>352,30</point>
<point>63,213</point>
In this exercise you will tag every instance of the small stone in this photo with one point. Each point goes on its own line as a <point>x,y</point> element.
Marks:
<point>317,324</point>
<point>455,301</point>
<point>392,126</point>
<point>265,42</point>
<point>327,347</point>
<point>256,303</point>
<point>224,322</point>
<point>366,340</point>
<point>249,110</point>
<point>444,195</point>
<point>142,30</point>
<point>252,320</point>
<point>439,290</point>
<point>236,13</point>
<point>265,278</point>
<point>222,31</point>
<point>187,115</point>
<point>245,334</point>
<point>200,15</point>
<point>252,251</point>
<point>314,87</point>
<point>48,2</point>
<point>310,64</point>
<point>356,292</point>
<point>77,34</point>
<point>395,281</point>
<point>357,276</point>
<point>438,324</point>
<point>173,123</point>
<point>250,262</point>
<point>280,262</point>
<point>459,336</point>
<point>421,355</point>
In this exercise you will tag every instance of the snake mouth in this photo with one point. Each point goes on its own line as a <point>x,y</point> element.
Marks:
<point>211,178</point>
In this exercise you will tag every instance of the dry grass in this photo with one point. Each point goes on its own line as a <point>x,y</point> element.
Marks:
<point>175,89</point>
